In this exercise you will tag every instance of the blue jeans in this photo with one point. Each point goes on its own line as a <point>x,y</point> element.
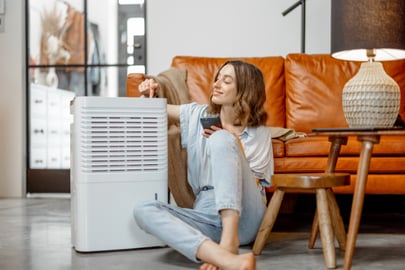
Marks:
<point>232,186</point>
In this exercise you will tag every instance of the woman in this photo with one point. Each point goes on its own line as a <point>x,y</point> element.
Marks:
<point>227,169</point>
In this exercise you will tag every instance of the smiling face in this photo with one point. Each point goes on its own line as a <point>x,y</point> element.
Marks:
<point>239,89</point>
<point>225,87</point>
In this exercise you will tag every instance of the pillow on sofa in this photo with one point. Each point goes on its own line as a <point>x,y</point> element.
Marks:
<point>201,72</point>
<point>314,86</point>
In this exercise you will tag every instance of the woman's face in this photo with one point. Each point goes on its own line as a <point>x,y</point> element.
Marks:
<point>224,91</point>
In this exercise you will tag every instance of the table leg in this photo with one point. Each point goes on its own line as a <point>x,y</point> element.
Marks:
<point>358,197</point>
<point>325,228</point>
<point>336,144</point>
<point>334,151</point>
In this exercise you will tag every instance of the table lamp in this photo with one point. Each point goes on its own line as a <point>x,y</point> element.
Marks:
<point>370,31</point>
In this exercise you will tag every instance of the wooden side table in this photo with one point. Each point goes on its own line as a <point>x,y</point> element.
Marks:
<point>367,138</point>
<point>327,218</point>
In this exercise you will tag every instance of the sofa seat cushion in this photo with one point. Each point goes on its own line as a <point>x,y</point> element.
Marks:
<point>278,148</point>
<point>347,164</point>
<point>377,184</point>
<point>319,146</point>
<point>307,146</point>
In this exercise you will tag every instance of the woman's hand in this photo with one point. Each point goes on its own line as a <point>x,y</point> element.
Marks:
<point>208,131</point>
<point>149,88</point>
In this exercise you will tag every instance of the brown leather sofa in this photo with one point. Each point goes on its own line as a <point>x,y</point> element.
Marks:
<point>304,92</point>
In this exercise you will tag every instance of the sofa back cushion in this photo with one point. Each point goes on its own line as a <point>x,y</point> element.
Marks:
<point>396,70</point>
<point>201,72</point>
<point>314,85</point>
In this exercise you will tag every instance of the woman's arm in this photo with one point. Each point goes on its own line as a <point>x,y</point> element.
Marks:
<point>150,88</point>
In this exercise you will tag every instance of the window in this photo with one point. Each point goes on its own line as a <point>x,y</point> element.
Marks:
<point>74,48</point>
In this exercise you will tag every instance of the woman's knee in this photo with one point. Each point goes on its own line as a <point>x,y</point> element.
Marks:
<point>222,139</point>
<point>144,211</point>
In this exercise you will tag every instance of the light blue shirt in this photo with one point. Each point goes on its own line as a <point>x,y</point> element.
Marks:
<point>256,142</point>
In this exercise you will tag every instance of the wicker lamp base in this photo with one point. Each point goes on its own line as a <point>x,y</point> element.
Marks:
<point>371,98</point>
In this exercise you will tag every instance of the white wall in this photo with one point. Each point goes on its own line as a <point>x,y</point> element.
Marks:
<point>229,28</point>
<point>12,102</point>
<point>232,28</point>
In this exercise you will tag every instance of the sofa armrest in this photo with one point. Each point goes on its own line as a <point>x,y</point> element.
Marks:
<point>133,80</point>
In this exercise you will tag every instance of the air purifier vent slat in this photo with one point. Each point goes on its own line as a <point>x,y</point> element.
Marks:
<point>122,139</point>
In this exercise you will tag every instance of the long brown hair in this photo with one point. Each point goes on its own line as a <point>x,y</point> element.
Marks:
<point>250,94</point>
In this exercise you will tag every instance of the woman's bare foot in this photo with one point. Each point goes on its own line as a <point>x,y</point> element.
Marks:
<point>225,255</point>
<point>231,246</point>
<point>208,266</point>
<point>245,261</point>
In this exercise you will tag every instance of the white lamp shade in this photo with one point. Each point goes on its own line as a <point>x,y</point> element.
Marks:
<point>361,55</point>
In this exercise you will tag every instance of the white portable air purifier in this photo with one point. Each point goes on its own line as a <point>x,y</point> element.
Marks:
<point>118,159</point>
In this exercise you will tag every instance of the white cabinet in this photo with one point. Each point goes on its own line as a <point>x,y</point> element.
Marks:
<point>49,127</point>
